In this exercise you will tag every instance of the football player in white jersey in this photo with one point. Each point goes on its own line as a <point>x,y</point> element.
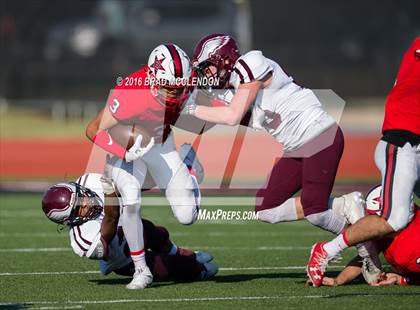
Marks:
<point>312,141</point>
<point>91,209</point>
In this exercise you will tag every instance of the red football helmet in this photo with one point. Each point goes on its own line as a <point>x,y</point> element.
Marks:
<point>61,204</point>
<point>219,50</point>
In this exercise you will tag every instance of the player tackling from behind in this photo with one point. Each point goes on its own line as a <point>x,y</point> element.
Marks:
<point>87,208</point>
<point>151,98</point>
<point>311,139</point>
<point>397,156</point>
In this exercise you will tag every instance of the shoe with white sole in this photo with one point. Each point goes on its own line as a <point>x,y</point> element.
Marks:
<point>353,209</point>
<point>142,278</point>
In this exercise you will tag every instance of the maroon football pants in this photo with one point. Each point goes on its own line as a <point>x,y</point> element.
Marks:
<point>180,267</point>
<point>314,175</point>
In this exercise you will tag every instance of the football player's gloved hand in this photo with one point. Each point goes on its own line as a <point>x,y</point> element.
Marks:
<point>136,151</point>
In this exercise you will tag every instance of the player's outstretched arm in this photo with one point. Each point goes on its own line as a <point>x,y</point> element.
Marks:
<point>348,274</point>
<point>111,211</point>
<point>234,112</point>
<point>110,222</point>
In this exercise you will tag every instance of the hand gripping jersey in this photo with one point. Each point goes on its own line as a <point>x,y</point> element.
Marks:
<point>290,113</point>
<point>402,108</point>
<point>133,102</point>
<point>85,239</point>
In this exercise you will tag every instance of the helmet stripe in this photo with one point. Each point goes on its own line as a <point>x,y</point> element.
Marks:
<point>177,60</point>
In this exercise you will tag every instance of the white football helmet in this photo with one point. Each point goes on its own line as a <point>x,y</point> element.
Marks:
<point>374,200</point>
<point>169,71</point>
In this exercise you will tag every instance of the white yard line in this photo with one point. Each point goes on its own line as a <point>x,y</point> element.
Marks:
<point>31,250</point>
<point>182,234</point>
<point>214,248</point>
<point>59,307</point>
<point>156,300</point>
<point>97,272</point>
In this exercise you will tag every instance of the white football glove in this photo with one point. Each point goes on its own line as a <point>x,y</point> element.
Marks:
<point>136,151</point>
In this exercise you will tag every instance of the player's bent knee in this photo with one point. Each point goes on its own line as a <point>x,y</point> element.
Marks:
<point>399,221</point>
<point>131,209</point>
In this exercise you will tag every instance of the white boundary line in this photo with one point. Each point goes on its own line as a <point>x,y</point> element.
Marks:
<point>97,272</point>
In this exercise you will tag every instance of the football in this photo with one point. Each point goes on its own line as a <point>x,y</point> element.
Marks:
<point>125,135</point>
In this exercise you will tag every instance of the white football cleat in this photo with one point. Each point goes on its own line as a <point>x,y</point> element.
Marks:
<point>353,209</point>
<point>203,257</point>
<point>371,270</point>
<point>142,278</point>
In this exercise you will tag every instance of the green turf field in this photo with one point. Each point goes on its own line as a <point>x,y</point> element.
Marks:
<point>261,266</point>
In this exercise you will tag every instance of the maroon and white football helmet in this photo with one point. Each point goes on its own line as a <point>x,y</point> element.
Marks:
<point>61,204</point>
<point>219,50</point>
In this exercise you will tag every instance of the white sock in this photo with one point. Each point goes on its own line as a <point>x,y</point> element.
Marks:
<point>328,220</point>
<point>336,204</point>
<point>283,213</point>
<point>335,246</point>
<point>139,260</point>
<point>133,232</point>
<point>173,250</point>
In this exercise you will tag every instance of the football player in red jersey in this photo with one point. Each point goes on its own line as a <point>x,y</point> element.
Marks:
<point>152,98</point>
<point>401,250</point>
<point>397,156</point>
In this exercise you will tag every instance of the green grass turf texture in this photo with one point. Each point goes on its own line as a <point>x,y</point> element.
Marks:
<point>234,244</point>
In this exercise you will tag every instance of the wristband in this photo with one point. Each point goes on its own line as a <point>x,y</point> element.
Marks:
<point>104,140</point>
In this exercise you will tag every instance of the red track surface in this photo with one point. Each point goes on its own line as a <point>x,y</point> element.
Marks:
<point>47,158</point>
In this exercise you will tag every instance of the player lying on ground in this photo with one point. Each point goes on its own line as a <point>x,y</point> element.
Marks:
<point>154,106</point>
<point>397,156</point>
<point>312,141</point>
<point>95,233</point>
<point>401,250</point>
